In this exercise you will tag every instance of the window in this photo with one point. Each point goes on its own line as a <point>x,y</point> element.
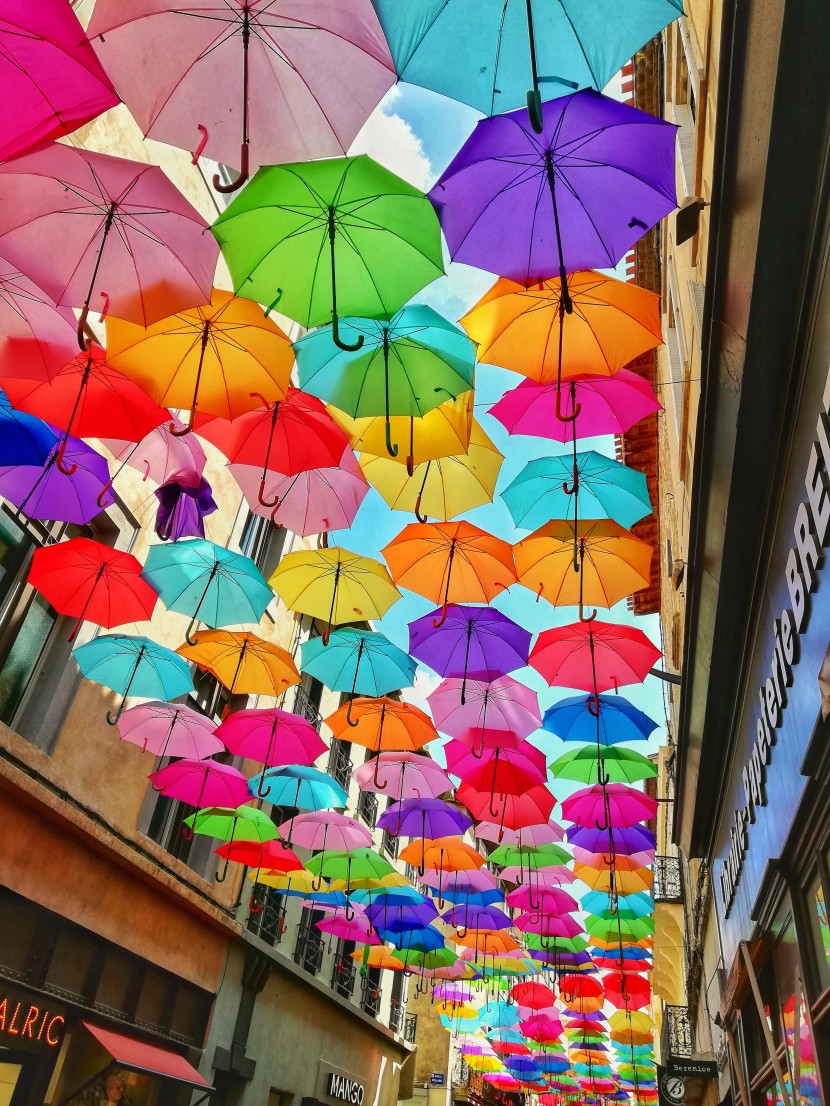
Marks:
<point>340,765</point>
<point>820,929</point>
<point>263,542</point>
<point>269,921</point>
<point>308,952</point>
<point>370,992</point>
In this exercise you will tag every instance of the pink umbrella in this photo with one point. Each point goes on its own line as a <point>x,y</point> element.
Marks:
<point>510,767</point>
<point>170,730</point>
<point>271,736</point>
<point>614,805</point>
<point>52,81</point>
<point>541,1028</point>
<point>543,834</point>
<point>356,929</point>
<point>549,925</point>
<point>322,829</point>
<point>609,405</point>
<point>36,338</point>
<point>130,243</point>
<point>309,502</point>
<point>162,456</point>
<point>550,900</point>
<point>202,783</point>
<point>457,884</point>
<point>554,876</point>
<point>500,704</point>
<point>403,775</point>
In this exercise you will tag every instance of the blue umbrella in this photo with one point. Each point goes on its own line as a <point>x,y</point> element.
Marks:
<point>361,662</point>
<point>425,938</point>
<point>295,786</point>
<point>133,666</point>
<point>207,582</point>
<point>499,1015</point>
<point>577,718</point>
<point>24,440</point>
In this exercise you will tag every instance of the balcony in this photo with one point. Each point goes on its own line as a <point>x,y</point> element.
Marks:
<point>410,1028</point>
<point>668,879</point>
<point>367,808</point>
<point>268,923</point>
<point>396,1015</point>
<point>308,952</point>
<point>370,996</point>
<point>340,767</point>
<point>390,844</point>
<point>343,975</point>
<point>676,1037</point>
<point>305,706</point>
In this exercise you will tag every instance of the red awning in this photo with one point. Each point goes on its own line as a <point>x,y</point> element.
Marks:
<point>139,1056</point>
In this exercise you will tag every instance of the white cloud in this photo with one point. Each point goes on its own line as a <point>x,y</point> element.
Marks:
<point>390,140</point>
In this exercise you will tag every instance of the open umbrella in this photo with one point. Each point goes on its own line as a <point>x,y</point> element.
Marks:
<point>423,817</point>
<point>320,829</point>
<point>380,236</point>
<point>133,666</point>
<point>92,582</point>
<point>513,812</point>
<point>201,783</point>
<point>298,786</point>
<point>162,455</point>
<point>36,337</point>
<point>503,704</point>
<point>130,243</point>
<point>615,765</point>
<point>360,662</point>
<point>25,440</point>
<point>170,730</point>
<point>209,583</point>
<point>75,488</point>
<point>271,736</point>
<point>235,826</point>
<point>403,776</point>
<point>577,718</point>
<point>286,83</point>
<point>615,805</point>
<point>382,724</point>
<point>593,656</point>
<point>242,662</point>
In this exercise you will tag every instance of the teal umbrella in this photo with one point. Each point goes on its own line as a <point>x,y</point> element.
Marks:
<point>297,230</point>
<point>628,907</point>
<point>361,662</point>
<point>208,582</point>
<point>406,366</point>
<point>133,666</point>
<point>298,787</point>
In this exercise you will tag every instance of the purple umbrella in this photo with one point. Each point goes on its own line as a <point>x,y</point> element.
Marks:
<point>48,493</point>
<point>628,841</point>
<point>478,643</point>
<point>577,196</point>
<point>182,509</point>
<point>424,818</point>
<point>476,916</point>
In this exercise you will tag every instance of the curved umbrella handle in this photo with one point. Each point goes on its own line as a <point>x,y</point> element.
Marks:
<point>67,470</point>
<point>259,791</point>
<point>338,341</point>
<point>113,719</point>
<point>232,186</point>
<point>348,911</point>
<point>187,832</point>
<point>540,591</point>
<point>559,412</point>
<point>418,515</point>
<point>593,705</point>
<point>221,878</point>
<point>410,465</point>
<point>186,429</point>
<point>106,488</point>
<point>380,786</point>
<point>197,153</point>
<point>442,618</point>
<point>586,618</point>
<point>256,907</point>
<point>534,110</point>
<point>391,448</point>
<point>355,724</point>
<point>603,778</point>
<point>263,502</point>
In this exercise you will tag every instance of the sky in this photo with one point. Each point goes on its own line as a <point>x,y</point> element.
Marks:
<point>416,133</point>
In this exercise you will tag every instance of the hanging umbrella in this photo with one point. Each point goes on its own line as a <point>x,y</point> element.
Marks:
<point>52,81</point>
<point>76,489</point>
<point>466,886</point>
<point>92,582</point>
<point>615,805</point>
<point>286,83</point>
<point>529,837</point>
<point>635,905</point>
<point>207,582</point>
<point>450,562</point>
<point>471,642</point>
<point>504,770</point>
<point>133,666</point>
<point>604,405</point>
<point>613,765</point>
<point>407,365</point>
<point>349,865</point>
<point>183,509</point>
<point>380,234</point>
<point>594,561</point>
<point>512,811</point>
<point>548,900</point>
<point>577,718</point>
<point>271,737</point>
<point>500,704</point>
<point>223,357</point>
<point>628,841</point>
<point>162,455</point>
<point>443,487</point>
<point>534,996</point>
<point>25,441</point>
<point>334,585</point>
<point>297,787</point>
<point>262,850</point>
<point>235,826</point>
<point>170,730</point>
<point>593,656</point>
<point>403,776</point>
<point>541,1028</point>
<point>36,337</point>
<point>130,243</point>
<point>476,916</point>
<point>423,818</point>
<point>201,783</point>
<point>313,501</point>
<point>360,662</point>
<point>358,929</point>
<point>320,829</point>
<point>577,195</point>
<point>382,725</point>
<point>529,856</point>
<point>242,662</point>
<point>615,882</point>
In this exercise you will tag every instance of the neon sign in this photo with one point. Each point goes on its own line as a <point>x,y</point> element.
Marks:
<point>28,1022</point>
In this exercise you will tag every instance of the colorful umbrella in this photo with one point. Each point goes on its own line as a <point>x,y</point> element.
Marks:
<point>512,811</point>
<point>403,775</point>
<point>326,828</point>
<point>242,662</point>
<point>183,509</point>
<point>202,783</point>
<point>130,243</point>
<point>380,234</point>
<point>578,717</point>
<point>407,365</point>
<point>244,824</point>
<point>287,83</point>
<point>90,581</point>
<point>271,737</point>
<point>162,455</point>
<point>76,489</point>
<point>628,841</point>
<point>52,81</point>
<point>593,656</point>
<point>612,765</point>
<point>298,786</point>
<point>360,662</point>
<point>382,725</point>
<point>357,929</point>
<point>170,730</point>
<point>36,337</point>
<point>25,441</point>
<point>503,704</point>
<point>207,582</point>
<point>423,817</point>
<point>615,805</point>
<point>133,666</point>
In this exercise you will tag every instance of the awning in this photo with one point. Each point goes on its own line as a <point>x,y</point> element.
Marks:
<point>138,1056</point>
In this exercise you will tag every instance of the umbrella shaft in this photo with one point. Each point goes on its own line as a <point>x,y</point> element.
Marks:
<point>107,226</point>
<point>246,40</point>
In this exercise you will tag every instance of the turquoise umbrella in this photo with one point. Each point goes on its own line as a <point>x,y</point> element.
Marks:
<point>298,787</point>
<point>361,662</point>
<point>406,366</point>
<point>133,666</point>
<point>208,582</point>
<point>638,905</point>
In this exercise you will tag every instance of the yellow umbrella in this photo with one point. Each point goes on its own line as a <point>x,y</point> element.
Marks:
<point>370,883</point>
<point>442,432</point>
<point>225,358</point>
<point>441,488</point>
<point>242,662</point>
<point>299,882</point>
<point>334,585</point>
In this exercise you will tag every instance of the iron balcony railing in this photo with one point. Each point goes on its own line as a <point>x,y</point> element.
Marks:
<point>410,1028</point>
<point>668,879</point>
<point>306,707</point>
<point>461,1073</point>
<point>676,1037</point>
<point>396,1015</point>
<point>308,952</point>
<point>268,922</point>
<point>391,844</point>
<point>343,975</point>
<point>367,808</point>
<point>340,767</point>
<point>370,996</point>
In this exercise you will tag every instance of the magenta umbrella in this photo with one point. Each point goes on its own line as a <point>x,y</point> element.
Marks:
<point>130,244</point>
<point>271,736</point>
<point>615,805</point>
<point>549,925</point>
<point>51,79</point>
<point>545,833</point>
<point>36,337</point>
<point>403,775</point>
<point>356,929</point>
<point>201,783</point>
<point>310,502</point>
<point>170,730</point>
<point>550,900</point>
<point>321,829</point>
<point>53,495</point>
<point>509,768</point>
<point>500,704</point>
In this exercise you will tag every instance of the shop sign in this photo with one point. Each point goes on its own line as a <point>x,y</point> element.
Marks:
<point>345,1089</point>
<point>811,534</point>
<point>670,1088</point>
<point>692,1069</point>
<point>25,1024</point>
<point>436,1079</point>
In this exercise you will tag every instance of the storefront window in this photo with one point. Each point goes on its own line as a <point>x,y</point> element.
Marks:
<point>817,908</point>
<point>798,1039</point>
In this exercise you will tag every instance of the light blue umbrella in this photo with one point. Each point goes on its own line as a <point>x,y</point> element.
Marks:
<point>588,485</point>
<point>499,1015</point>
<point>488,53</point>
<point>361,662</point>
<point>296,786</point>
<point>208,582</point>
<point>638,905</point>
<point>133,666</point>
<point>576,719</point>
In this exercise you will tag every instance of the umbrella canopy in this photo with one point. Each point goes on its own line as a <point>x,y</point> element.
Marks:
<point>423,817</point>
<point>358,930</point>
<point>130,243</point>
<point>382,724</point>
<point>92,582</point>
<point>577,718</point>
<point>531,205</point>
<point>503,704</point>
<point>631,840</point>
<point>402,776</point>
<point>207,582</point>
<point>471,642</point>
<point>52,80</point>
<point>298,786</point>
<point>441,432</point>
<point>271,736</point>
<point>505,770</point>
<point>320,829</point>
<point>163,456</point>
<point>351,864</point>
<point>614,765</point>
<point>170,729</point>
<point>72,485</point>
<point>615,805</point>
<point>223,357</point>
<point>378,233</point>
<point>133,666</point>
<point>361,662</point>
<point>593,656</point>
<point>442,854</point>
<point>510,811</point>
<point>535,996</point>
<point>25,441</point>
<point>284,83</point>
<point>202,783</point>
<point>242,662</point>
<point>243,825</point>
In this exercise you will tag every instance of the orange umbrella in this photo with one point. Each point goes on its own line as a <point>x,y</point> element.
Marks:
<point>379,956</point>
<point>611,563</point>
<point>242,662</point>
<point>441,854</point>
<point>450,562</point>
<point>490,942</point>
<point>382,725</point>
<point>622,883</point>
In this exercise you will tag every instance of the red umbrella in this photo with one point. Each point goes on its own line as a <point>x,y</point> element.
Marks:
<point>270,856</point>
<point>627,990</point>
<point>579,986</point>
<point>593,656</point>
<point>87,580</point>
<point>35,336</point>
<point>535,996</point>
<point>511,767</point>
<point>512,811</point>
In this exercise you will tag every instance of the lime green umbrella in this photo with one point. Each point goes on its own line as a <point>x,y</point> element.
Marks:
<point>610,929</point>
<point>245,823</point>
<point>417,958</point>
<point>529,856</point>
<point>300,235</point>
<point>542,943</point>
<point>619,765</point>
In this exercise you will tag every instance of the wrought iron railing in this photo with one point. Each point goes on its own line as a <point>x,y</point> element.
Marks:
<point>461,1073</point>
<point>308,952</point>
<point>340,767</point>
<point>305,706</point>
<point>268,922</point>
<point>410,1028</point>
<point>391,844</point>
<point>370,996</point>
<point>396,1015</point>
<point>343,975</point>
<point>668,879</point>
<point>677,1036</point>
<point>367,808</point>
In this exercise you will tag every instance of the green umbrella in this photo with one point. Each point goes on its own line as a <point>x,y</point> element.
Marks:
<point>613,929</point>
<point>542,943</point>
<point>619,765</point>
<point>529,856</point>
<point>416,958</point>
<point>297,230</point>
<point>349,865</point>
<point>245,823</point>
<point>404,366</point>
